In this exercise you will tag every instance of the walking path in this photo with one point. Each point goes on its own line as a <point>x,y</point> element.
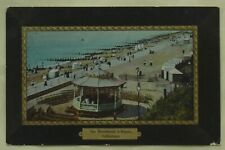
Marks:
<point>130,112</point>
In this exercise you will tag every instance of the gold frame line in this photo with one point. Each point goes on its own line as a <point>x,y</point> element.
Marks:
<point>26,29</point>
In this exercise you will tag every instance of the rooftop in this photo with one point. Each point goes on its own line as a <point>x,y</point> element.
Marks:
<point>98,82</point>
<point>175,71</point>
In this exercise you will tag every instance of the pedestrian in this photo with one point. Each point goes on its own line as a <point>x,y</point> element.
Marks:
<point>45,83</point>
<point>144,62</point>
<point>86,67</point>
<point>150,63</point>
<point>109,63</point>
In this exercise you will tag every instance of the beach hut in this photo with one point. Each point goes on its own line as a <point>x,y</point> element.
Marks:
<point>96,92</point>
<point>53,73</point>
<point>135,47</point>
<point>175,75</point>
<point>169,65</point>
<point>165,72</point>
<point>76,65</point>
<point>188,56</point>
<point>64,62</point>
<point>187,40</point>
<point>142,46</point>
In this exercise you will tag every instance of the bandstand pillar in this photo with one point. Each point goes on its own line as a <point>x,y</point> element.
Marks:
<point>119,94</point>
<point>97,90</point>
<point>74,91</point>
<point>81,95</point>
<point>115,93</point>
<point>81,91</point>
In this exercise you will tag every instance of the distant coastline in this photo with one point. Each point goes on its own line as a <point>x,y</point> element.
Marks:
<point>51,60</point>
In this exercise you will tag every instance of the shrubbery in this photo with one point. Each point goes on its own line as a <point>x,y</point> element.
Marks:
<point>178,105</point>
<point>133,96</point>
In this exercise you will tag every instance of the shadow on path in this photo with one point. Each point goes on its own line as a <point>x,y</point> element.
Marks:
<point>131,111</point>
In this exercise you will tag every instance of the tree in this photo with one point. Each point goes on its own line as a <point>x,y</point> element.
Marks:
<point>178,105</point>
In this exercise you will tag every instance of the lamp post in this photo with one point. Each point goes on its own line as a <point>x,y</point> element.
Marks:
<point>115,101</point>
<point>138,92</point>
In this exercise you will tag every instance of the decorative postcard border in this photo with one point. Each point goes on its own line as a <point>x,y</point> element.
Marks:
<point>194,29</point>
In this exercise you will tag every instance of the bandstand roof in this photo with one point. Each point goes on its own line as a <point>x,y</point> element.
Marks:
<point>98,82</point>
<point>97,72</point>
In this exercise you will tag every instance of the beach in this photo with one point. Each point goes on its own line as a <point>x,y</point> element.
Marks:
<point>110,54</point>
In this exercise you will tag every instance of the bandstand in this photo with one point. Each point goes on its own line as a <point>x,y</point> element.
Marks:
<point>97,91</point>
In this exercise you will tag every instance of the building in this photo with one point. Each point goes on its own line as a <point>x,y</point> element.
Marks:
<point>97,91</point>
<point>53,73</point>
<point>169,72</point>
<point>174,75</point>
<point>188,56</point>
<point>76,65</point>
<point>187,40</point>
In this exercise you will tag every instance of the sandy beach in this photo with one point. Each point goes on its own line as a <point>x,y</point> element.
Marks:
<point>111,55</point>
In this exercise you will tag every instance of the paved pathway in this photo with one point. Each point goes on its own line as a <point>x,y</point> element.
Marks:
<point>39,87</point>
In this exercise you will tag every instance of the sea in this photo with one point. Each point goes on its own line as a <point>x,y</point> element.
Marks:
<point>42,45</point>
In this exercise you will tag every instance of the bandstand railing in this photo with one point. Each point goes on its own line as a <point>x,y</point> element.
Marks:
<point>94,107</point>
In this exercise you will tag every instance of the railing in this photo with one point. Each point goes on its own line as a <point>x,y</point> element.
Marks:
<point>93,107</point>
<point>88,107</point>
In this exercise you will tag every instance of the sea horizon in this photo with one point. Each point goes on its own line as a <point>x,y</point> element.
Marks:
<point>42,45</point>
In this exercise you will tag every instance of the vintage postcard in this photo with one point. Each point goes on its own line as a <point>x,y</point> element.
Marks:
<point>113,76</point>
<point>110,75</point>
